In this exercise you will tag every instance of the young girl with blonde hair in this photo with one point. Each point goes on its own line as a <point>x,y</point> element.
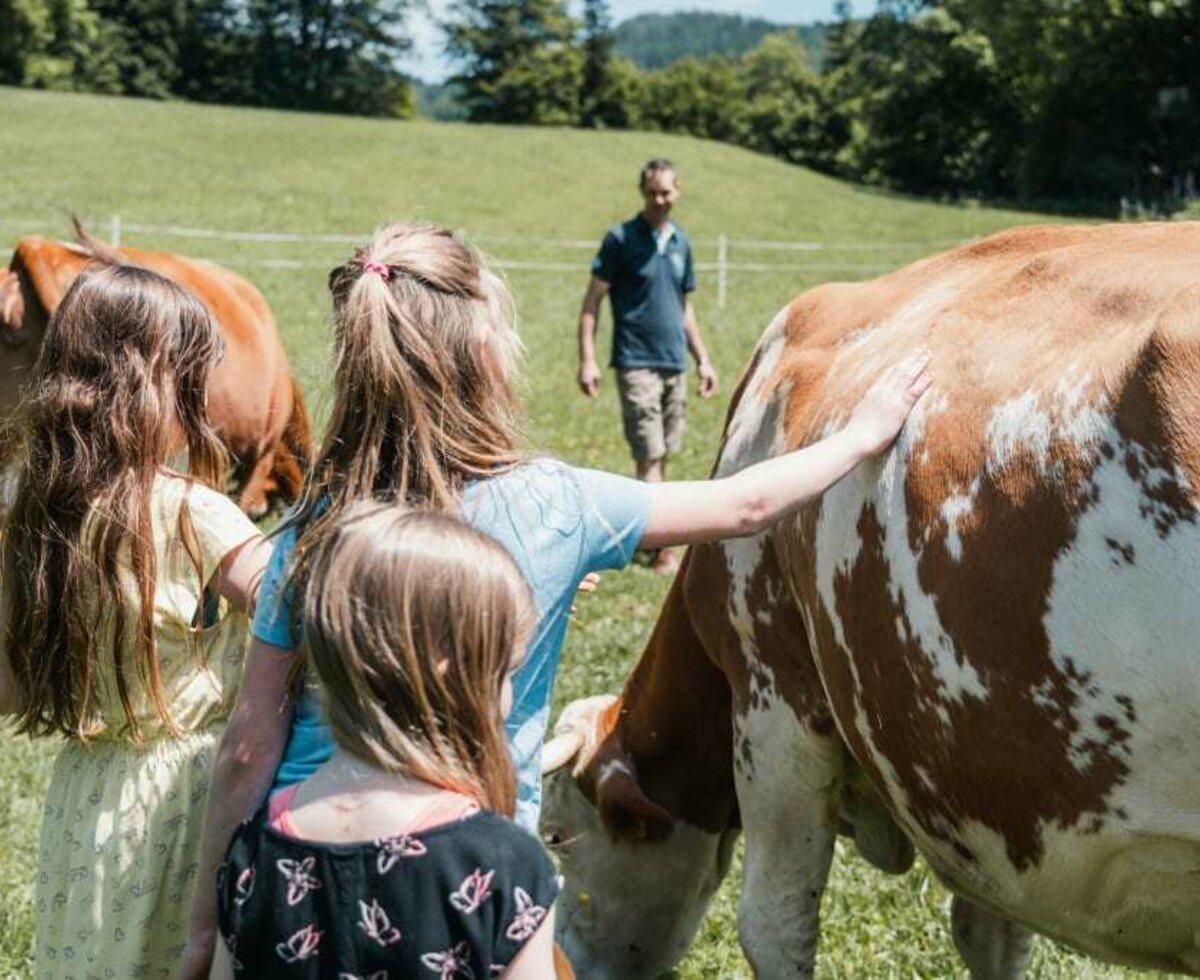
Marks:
<point>393,857</point>
<point>117,577</point>
<point>425,412</point>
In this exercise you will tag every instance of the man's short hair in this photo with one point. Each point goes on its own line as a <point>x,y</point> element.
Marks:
<point>653,167</point>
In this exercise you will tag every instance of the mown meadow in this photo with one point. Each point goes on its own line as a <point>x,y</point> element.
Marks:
<point>517,192</point>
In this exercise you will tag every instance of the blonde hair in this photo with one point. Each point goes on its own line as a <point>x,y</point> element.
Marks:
<point>123,369</point>
<point>411,621</point>
<point>424,397</point>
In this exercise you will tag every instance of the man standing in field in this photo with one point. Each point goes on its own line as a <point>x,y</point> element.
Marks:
<point>645,266</point>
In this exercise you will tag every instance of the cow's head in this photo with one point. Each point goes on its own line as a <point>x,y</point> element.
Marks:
<point>38,276</point>
<point>637,881</point>
<point>31,287</point>
<point>640,808</point>
<point>12,307</point>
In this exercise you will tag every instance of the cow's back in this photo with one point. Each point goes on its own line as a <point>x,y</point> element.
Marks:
<point>253,401</point>
<point>1002,609</point>
<point>252,382</point>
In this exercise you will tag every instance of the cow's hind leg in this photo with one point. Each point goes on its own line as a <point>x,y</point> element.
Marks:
<point>993,948</point>
<point>787,780</point>
<point>252,497</point>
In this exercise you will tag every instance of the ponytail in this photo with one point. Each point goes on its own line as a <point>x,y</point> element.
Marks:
<point>424,401</point>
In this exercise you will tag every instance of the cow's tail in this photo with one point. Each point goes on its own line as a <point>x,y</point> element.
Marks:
<point>296,451</point>
<point>95,248</point>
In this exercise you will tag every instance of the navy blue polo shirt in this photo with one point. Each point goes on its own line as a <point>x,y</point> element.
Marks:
<point>647,288</point>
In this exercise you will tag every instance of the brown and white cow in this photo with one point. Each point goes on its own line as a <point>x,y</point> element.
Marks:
<point>984,645</point>
<point>253,401</point>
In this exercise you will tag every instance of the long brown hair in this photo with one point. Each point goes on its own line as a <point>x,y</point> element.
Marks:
<point>424,397</point>
<point>121,374</point>
<point>411,621</point>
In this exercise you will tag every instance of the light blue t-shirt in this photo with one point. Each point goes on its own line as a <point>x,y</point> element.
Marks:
<point>558,523</point>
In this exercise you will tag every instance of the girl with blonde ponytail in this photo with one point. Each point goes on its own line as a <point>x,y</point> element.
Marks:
<point>425,413</point>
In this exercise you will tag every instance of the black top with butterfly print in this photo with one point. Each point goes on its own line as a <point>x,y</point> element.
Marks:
<point>458,900</point>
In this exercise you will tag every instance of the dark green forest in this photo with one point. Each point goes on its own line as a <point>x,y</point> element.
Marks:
<point>1065,104</point>
<point>315,55</point>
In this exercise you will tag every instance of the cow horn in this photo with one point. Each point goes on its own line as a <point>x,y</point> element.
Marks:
<point>560,750</point>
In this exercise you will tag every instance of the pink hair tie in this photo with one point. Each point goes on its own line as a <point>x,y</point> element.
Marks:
<point>381,269</point>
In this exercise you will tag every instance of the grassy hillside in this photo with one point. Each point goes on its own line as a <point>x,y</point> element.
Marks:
<point>513,189</point>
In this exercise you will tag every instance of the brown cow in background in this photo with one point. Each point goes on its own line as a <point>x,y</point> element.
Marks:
<point>253,401</point>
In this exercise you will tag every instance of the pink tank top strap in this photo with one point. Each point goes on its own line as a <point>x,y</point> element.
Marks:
<point>278,807</point>
<point>446,807</point>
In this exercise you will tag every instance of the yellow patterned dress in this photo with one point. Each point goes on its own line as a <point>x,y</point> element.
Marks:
<point>122,822</point>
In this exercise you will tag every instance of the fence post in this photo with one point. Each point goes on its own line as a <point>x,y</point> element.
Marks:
<point>722,269</point>
<point>114,230</point>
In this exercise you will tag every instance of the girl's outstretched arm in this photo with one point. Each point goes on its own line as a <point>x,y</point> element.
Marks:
<point>688,512</point>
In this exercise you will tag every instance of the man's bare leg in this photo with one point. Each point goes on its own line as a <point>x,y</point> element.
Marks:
<point>652,470</point>
<point>665,561</point>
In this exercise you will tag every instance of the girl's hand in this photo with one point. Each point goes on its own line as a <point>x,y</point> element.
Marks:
<point>590,583</point>
<point>879,417</point>
<point>198,957</point>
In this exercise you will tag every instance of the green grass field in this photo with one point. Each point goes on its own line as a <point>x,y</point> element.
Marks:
<point>512,189</point>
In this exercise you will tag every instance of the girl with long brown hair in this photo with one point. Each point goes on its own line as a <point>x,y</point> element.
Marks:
<point>393,857</point>
<point>425,412</point>
<point>125,585</point>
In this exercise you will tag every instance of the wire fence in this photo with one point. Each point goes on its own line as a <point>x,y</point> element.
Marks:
<point>729,249</point>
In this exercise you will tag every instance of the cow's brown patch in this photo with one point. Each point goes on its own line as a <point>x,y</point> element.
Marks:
<point>1035,273</point>
<point>1120,304</point>
<point>672,729</point>
<point>774,637</point>
<point>1018,241</point>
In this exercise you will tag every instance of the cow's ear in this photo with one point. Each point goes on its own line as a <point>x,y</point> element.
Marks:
<point>626,811</point>
<point>12,303</point>
<point>50,267</point>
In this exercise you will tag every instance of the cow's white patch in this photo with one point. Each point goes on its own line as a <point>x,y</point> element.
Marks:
<point>926,780</point>
<point>1019,423</point>
<point>755,431</point>
<point>917,315</point>
<point>1082,419</point>
<point>856,339</point>
<point>1123,611</point>
<point>788,801</point>
<point>855,358</point>
<point>742,558</point>
<point>610,768</point>
<point>1123,619</point>
<point>953,510</point>
<point>1031,424</point>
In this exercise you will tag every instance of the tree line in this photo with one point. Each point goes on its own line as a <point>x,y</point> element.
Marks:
<point>318,55</point>
<point>1060,103</point>
<point>1056,102</point>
